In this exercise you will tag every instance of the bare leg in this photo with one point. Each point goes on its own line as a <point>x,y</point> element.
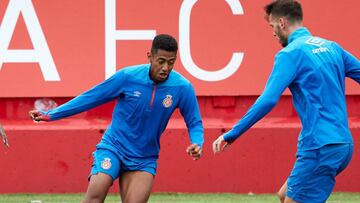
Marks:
<point>98,188</point>
<point>289,200</point>
<point>282,195</point>
<point>282,192</point>
<point>135,186</point>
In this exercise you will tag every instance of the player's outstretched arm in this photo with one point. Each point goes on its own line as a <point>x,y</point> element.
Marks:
<point>99,94</point>
<point>194,151</point>
<point>282,75</point>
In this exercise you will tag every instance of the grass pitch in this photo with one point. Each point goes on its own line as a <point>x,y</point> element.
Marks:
<point>170,197</point>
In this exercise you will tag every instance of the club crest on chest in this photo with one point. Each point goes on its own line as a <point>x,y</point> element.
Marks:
<point>167,102</point>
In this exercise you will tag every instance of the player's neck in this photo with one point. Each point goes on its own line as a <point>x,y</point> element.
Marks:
<point>294,27</point>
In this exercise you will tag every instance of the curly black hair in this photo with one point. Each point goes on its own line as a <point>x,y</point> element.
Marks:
<point>164,42</point>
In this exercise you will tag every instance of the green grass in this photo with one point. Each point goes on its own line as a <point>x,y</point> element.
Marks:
<point>171,197</point>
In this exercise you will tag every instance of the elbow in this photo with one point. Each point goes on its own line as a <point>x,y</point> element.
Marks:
<point>272,102</point>
<point>269,103</point>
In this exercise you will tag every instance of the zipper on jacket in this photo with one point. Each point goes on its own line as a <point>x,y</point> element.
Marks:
<point>153,96</point>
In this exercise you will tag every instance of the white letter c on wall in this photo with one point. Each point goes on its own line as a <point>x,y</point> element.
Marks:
<point>184,45</point>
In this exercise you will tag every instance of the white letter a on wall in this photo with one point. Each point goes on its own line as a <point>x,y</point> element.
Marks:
<point>40,54</point>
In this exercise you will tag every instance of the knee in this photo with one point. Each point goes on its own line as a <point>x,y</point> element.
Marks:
<point>289,200</point>
<point>93,199</point>
<point>134,197</point>
<point>281,196</point>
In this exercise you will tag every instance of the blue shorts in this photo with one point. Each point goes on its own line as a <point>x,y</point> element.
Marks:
<point>313,176</point>
<point>113,164</point>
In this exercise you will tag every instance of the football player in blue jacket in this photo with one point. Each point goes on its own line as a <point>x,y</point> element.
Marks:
<point>146,95</point>
<point>314,69</point>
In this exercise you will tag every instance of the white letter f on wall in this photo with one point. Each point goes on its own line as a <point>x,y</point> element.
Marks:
<point>40,54</point>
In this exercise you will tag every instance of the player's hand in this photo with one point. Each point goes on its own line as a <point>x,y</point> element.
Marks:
<point>3,135</point>
<point>38,116</point>
<point>217,144</point>
<point>195,151</point>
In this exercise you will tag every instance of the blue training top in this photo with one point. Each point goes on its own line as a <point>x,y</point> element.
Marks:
<point>314,69</point>
<point>142,111</point>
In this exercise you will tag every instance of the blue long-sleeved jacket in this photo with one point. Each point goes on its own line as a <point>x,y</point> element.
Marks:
<point>314,69</point>
<point>142,111</point>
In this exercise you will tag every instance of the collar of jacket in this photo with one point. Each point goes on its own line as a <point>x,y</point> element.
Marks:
<point>301,32</point>
<point>150,81</point>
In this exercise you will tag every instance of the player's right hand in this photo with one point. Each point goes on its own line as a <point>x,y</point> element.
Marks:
<point>217,144</point>
<point>38,116</point>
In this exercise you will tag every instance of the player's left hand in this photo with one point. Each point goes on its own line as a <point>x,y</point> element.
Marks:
<point>217,144</point>
<point>3,135</point>
<point>195,151</point>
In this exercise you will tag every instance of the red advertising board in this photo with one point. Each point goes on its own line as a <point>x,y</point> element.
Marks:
<point>61,48</point>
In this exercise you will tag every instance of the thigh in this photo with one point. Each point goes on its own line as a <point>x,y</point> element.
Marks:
<point>107,162</point>
<point>303,180</point>
<point>282,192</point>
<point>98,187</point>
<point>313,176</point>
<point>135,186</point>
<point>104,171</point>
<point>289,200</point>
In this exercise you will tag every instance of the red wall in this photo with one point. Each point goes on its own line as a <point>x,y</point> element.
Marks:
<point>56,156</point>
